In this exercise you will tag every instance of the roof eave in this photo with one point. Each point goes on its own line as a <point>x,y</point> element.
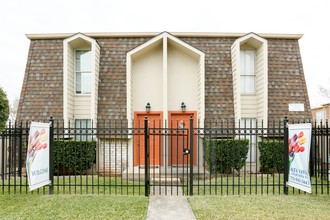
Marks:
<point>153,34</point>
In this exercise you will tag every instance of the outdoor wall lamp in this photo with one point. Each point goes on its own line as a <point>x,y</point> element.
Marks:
<point>183,107</point>
<point>148,107</point>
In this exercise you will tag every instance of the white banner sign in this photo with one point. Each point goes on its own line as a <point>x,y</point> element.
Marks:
<point>296,107</point>
<point>299,148</point>
<point>37,158</point>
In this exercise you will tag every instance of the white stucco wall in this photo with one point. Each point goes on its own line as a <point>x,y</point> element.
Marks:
<point>147,80</point>
<point>165,72</point>
<point>182,80</point>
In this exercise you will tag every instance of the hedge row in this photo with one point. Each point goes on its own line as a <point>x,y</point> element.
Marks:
<point>74,157</point>
<point>221,155</point>
<point>225,155</point>
<point>271,156</point>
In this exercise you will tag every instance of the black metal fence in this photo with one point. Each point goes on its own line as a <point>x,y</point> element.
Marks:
<point>147,157</point>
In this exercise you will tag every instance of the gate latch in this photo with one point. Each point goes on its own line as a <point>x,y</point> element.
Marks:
<point>186,151</point>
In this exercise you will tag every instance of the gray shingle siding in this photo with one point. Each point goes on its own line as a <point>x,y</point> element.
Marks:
<point>42,90</point>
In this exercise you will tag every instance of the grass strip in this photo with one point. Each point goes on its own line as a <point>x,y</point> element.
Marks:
<point>261,207</point>
<point>72,207</point>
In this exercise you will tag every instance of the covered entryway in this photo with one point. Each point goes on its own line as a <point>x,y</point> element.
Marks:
<point>164,72</point>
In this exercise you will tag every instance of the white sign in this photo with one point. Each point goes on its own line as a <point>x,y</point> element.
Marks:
<point>296,107</point>
<point>299,148</point>
<point>37,158</point>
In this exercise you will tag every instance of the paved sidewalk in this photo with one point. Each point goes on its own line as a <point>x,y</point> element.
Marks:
<point>169,207</point>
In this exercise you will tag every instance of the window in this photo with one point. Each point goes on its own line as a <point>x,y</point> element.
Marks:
<point>83,129</point>
<point>83,71</point>
<point>249,124</point>
<point>248,74</point>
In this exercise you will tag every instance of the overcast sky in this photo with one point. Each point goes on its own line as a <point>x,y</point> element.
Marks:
<point>308,17</point>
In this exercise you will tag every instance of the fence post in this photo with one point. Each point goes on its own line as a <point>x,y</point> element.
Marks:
<point>146,157</point>
<point>14,150</point>
<point>20,145</point>
<point>286,155</point>
<point>191,133</point>
<point>313,146</point>
<point>51,155</point>
<point>2,161</point>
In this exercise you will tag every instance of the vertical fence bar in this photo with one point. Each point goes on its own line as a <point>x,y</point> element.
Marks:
<point>9,157</point>
<point>159,135</point>
<point>26,132</point>
<point>327,156</point>
<point>146,157</point>
<point>318,139</point>
<point>176,148</point>
<point>313,145</point>
<point>216,137</point>
<point>139,152</point>
<point>51,155</point>
<point>197,156</point>
<point>166,159</point>
<point>15,155</point>
<point>110,134</point>
<point>286,157</point>
<point>133,153</point>
<point>322,155</point>
<point>20,147</point>
<point>191,179</point>
<point>2,161</point>
<point>3,155</point>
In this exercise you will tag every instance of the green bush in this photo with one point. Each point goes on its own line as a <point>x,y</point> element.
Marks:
<point>74,157</point>
<point>225,155</point>
<point>4,109</point>
<point>271,156</point>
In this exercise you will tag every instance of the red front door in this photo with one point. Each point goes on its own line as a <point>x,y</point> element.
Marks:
<point>179,123</point>
<point>155,120</point>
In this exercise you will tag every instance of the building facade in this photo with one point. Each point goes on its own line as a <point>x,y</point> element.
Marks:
<point>86,79</point>
<point>101,76</point>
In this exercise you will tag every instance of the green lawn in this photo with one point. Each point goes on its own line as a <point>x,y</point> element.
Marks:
<point>72,207</point>
<point>261,207</point>
<point>251,185</point>
<point>76,185</point>
<point>217,185</point>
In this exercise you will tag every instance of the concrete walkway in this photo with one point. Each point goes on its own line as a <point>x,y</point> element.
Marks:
<point>163,207</point>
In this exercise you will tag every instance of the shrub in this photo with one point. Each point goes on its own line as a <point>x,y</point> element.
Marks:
<point>74,156</point>
<point>225,155</point>
<point>271,156</point>
<point>4,109</point>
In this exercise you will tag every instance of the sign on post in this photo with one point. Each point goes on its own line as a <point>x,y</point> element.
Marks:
<point>299,148</point>
<point>37,158</point>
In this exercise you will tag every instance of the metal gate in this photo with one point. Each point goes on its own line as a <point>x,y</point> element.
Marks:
<point>174,173</point>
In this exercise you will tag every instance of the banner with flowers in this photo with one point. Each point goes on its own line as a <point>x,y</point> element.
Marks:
<point>299,148</point>
<point>37,158</point>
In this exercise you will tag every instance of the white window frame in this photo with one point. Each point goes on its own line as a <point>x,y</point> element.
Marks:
<point>246,73</point>
<point>82,72</point>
